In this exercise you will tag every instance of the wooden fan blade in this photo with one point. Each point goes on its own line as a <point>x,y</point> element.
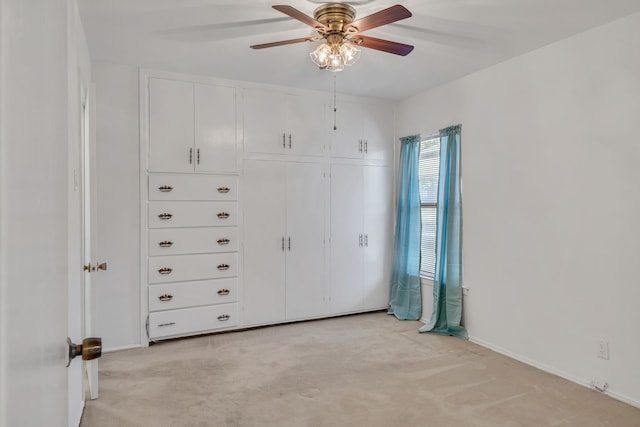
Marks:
<point>296,14</point>
<point>383,45</point>
<point>284,42</point>
<point>384,17</point>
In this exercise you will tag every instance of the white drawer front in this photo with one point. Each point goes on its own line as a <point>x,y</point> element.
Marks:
<point>193,187</point>
<point>192,320</point>
<point>192,214</point>
<point>174,241</point>
<point>180,268</point>
<point>192,294</point>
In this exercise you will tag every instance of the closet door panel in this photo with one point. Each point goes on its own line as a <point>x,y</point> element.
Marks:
<point>264,242</point>
<point>215,128</point>
<point>346,138</point>
<point>171,113</point>
<point>378,131</point>
<point>306,125</point>
<point>305,277</point>
<point>264,121</point>
<point>378,209</point>
<point>346,238</point>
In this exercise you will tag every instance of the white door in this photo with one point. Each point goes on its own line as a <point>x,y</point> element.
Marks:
<point>347,238</point>
<point>305,279</point>
<point>378,208</point>
<point>264,121</point>
<point>306,126</point>
<point>346,139</point>
<point>215,128</point>
<point>171,114</point>
<point>378,131</point>
<point>264,242</point>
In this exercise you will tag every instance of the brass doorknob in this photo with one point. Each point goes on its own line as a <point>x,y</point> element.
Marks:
<point>91,348</point>
<point>102,266</point>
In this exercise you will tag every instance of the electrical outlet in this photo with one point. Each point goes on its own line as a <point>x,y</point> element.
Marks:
<point>603,349</point>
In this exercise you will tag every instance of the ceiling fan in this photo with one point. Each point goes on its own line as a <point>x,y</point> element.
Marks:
<point>336,24</point>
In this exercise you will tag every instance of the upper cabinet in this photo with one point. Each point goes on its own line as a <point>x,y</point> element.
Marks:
<point>192,127</point>
<point>363,131</point>
<point>281,123</point>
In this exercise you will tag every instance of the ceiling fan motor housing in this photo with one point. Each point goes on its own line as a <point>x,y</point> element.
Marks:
<point>336,17</point>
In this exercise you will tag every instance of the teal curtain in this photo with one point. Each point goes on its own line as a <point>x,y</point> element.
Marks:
<point>405,299</point>
<point>447,282</point>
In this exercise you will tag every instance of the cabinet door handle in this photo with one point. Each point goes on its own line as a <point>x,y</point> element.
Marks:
<point>165,270</point>
<point>223,215</point>
<point>360,244</point>
<point>289,244</point>
<point>284,143</point>
<point>166,324</point>
<point>223,267</point>
<point>165,297</point>
<point>165,244</point>
<point>198,156</point>
<point>289,140</point>
<point>165,188</point>
<point>190,156</point>
<point>223,190</point>
<point>282,243</point>
<point>366,240</point>
<point>366,146</point>
<point>164,216</point>
<point>223,241</point>
<point>360,146</point>
<point>223,292</point>
<point>224,317</point>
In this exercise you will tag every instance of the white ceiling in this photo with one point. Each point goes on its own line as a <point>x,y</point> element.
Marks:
<point>452,38</point>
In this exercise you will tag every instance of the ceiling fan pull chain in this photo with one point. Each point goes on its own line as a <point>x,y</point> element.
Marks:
<point>335,102</point>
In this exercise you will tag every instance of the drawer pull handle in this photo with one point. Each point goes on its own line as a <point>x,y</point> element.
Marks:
<point>223,215</point>
<point>223,190</point>
<point>224,317</point>
<point>165,297</point>
<point>223,292</point>
<point>223,267</point>
<point>165,270</point>
<point>165,188</point>
<point>223,241</point>
<point>165,216</point>
<point>165,244</point>
<point>166,324</point>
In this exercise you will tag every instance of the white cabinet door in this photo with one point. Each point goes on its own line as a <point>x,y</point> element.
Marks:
<point>306,125</point>
<point>378,209</point>
<point>215,128</point>
<point>377,131</point>
<point>305,277</point>
<point>264,242</point>
<point>170,126</point>
<point>264,121</point>
<point>346,238</point>
<point>347,137</point>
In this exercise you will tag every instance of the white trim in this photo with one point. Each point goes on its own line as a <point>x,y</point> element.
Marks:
<point>121,348</point>
<point>75,422</point>
<point>580,381</point>
<point>144,150</point>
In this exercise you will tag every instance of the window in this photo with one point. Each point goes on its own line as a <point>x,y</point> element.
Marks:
<point>428,172</point>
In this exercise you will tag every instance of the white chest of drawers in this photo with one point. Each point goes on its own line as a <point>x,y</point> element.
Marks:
<point>192,244</point>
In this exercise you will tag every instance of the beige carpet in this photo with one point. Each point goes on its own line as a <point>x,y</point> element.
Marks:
<point>365,370</point>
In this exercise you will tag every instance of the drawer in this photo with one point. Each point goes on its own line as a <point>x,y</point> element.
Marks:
<point>192,214</point>
<point>180,268</point>
<point>193,187</point>
<point>164,324</point>
<point>174,241</point>
<point>192,294</point>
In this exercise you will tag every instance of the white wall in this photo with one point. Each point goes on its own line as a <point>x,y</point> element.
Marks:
<point>551,206</point>
<point>117,290</point>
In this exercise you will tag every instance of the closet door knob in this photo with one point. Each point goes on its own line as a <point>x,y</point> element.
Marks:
<point>165,188</point>
<point>165,270</point>
<point>223,267</point>
<point>223,292</point>
<point>224,317</point>
<point>223,190</point>
<point>223,215</point>
<point>165,297</point>
<point>223,241</point>
<point>164,216</point>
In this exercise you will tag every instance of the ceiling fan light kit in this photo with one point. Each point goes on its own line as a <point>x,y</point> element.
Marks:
<point>335,24</point>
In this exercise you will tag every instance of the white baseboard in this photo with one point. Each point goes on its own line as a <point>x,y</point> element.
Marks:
<point>580,381</point>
